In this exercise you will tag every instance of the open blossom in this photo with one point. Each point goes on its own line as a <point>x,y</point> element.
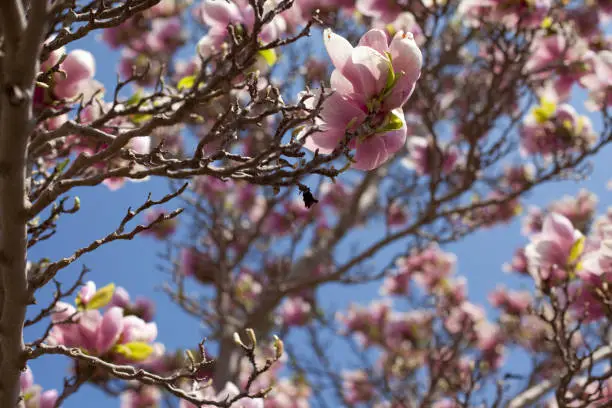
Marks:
<point>218,14</point>
<point>229,392</point>
<point>579,209</point>
<point>74,78</point>
<point>404,21</point>
<point>426,158</point>
<point>295,311</point>
<point>161,229</point>
<point>512,302</point>
<point>599,81</point>
<point>144,397</point>
<point>371,82</point>
<point>553,250</point>
<point>507,12</point>
<point>552,128</point>
<point>33,395</point>
<point>79,67</point>
<point>596,266</point>
<point>357,387</point>
<point>376,72</point>
<point>125,338</point>
<point>547,51</point>
<point>141,307</point>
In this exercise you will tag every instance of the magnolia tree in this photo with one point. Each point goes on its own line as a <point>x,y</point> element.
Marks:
<point>302,139</point>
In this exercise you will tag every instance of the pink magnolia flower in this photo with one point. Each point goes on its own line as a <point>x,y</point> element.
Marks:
<point>533,221</point>
<point>467,315</point>
<point>218,14</point>
<point>518,177</point>
<point>586,302</point>
<point>509,13</point>
<point>229,392</point>
<point>80,68</point>
<point>410,329</point>
<point>425,157</point>
<point>599,81</point>
<point>554,249</point>
<point>373,145</point>
<point>289,393</point>
<point>91,331</point>
<point>579,209</point>
<point>143,397</point>
<point>381,10</point>
<point>86,293</point>
<point>139,145</point>
<point>490,342</point>
<point>430,268</point>
<point>375,72</point>
<point>166,35</point>
<point>162,229</point>
<point>371,82</point>
<point>596,267</point>
<point>138,62</point>
<point>102,334</point>
<point>547,52</point>
<point>357,387</point>
<point>142,307</point>
<point>405,22</point>
<point>295,311</point>
<point>366,322</point>
<point>512,302</point>
<point>549,129</point>
<point>33,395</point>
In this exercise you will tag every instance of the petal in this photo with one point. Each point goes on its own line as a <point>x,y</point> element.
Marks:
<point>377,149</point>
<point>557,227</point>
<point>338,48</point>
<point>62,311</point>
<point>220,13</point>
<point>48,399</point>
<point>27,379</point>
<point>121,297</point>
<point>79,65</point>
<point>407,60</point>
<point>338,111</point>
<point>325,141</point>
<point>340,84</point>
<point>376,39</point>
<point>110,329</point>
<point>367,70</point>
<point>229,391</point>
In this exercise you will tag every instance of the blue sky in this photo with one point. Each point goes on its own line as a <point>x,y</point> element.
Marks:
<point>134,264</point>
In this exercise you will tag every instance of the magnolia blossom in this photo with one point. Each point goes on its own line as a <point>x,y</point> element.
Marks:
<point>555,249</point>
<point>145,396</point>
<point>33,395</point>
<point>371,82</point>
<point>426,158</point>
<point>295,311</point>
<point>547,51</point>
<point>579,209</point>
<point>79,68</point>
<point>596,267</point>
<point>141,307</point>
<point>357,387</point>
<point>599,81</point>
<point>512,302</point>
<point>125,337</point>
<point>552,128</point>
<point>218,14</point>
<point>161,229</point>
<point>507,12</point>
<point>229,392</point>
